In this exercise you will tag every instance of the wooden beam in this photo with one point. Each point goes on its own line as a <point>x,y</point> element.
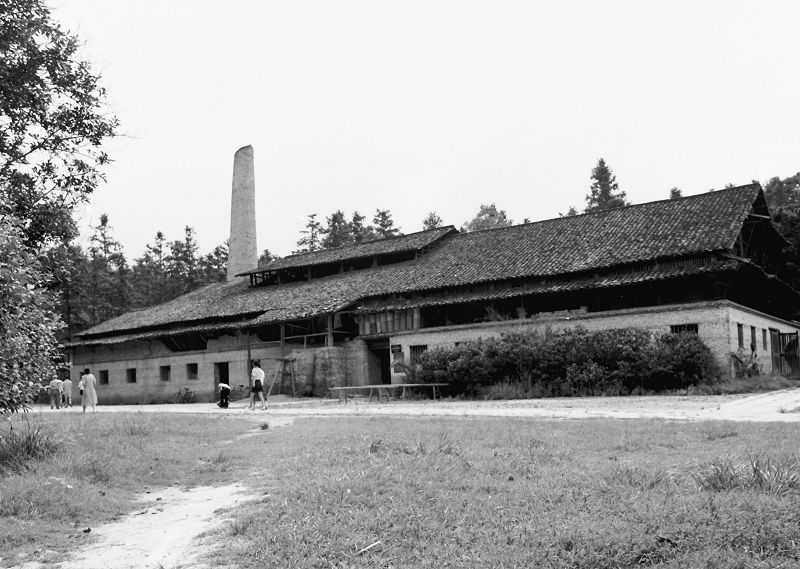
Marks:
<point>329,326</point>
<point>283,338</point>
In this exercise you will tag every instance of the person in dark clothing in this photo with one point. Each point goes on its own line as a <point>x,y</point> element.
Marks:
<point>224,393</point>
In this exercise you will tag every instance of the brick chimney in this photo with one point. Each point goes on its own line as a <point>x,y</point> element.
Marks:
<point>242,248</point>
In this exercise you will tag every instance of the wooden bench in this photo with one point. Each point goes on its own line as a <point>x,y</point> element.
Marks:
<point>382,390</point>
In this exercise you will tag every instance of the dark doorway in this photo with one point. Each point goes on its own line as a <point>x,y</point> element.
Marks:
<point>221,373</point>
<point>380,350</point>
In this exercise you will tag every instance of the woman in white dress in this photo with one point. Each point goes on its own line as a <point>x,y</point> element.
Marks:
<point>89,395</point>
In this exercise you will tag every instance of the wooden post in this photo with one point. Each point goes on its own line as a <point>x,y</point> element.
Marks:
<point>329,325</point>
<point>283,338</point>
<point>249,359</point>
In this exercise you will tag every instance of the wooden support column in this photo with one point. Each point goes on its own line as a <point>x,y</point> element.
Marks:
<point>283,339</point>
<point>329,326</point>
<point>249,361</point>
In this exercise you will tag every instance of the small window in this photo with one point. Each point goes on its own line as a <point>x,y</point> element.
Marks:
<point>416,352</point>
<point>130,375</point>
<point>740,333</point>
<point>103,377</point>
<point>687,328</point>
<point>164,372</point>
<point>191,371</point>
<point>764,338</point>
<point>753,344</point>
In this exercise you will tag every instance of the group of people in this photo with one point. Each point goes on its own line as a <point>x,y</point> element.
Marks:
<point>257,386</point>
<point>60,392</point>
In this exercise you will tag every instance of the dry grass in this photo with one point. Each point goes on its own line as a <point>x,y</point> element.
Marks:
<point>434,492</point>
<point>513,493</point>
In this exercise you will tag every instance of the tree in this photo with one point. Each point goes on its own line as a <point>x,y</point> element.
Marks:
<point>570,212</point>
<point>783,194</point>
<point>384,224</point>
<point>675,193</point>
<point>213,267</point>
<point>109,284</point>
<point>604,192</point>
<point>266,258</point>
<point>183,265</point>
<point>312,233</point>
<point>28,324</point>
<point>432,221</point>
<point>338,231</point>
<point>361,233</point>
<point>488,217</point>
<point>52,124</point>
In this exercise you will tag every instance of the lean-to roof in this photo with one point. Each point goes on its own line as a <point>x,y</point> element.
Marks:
<point>687,227</point>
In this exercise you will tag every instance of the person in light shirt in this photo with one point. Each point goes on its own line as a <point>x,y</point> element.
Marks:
<point>224,393</point>
<point>257,385</point>
<point>54,391</point>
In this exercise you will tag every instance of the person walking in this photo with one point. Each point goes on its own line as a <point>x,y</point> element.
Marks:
<point>89,395</point>
<point>66,389</point>
<point>257,380</point>
<point>54,391</point>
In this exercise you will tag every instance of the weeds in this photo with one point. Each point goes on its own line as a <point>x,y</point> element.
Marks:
<point>18,450</point>
<point>761,474</point>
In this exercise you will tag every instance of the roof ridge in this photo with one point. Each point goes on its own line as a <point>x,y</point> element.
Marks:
<point>630,206</point>
<point>347,246</point>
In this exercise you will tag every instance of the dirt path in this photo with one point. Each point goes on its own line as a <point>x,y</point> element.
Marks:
<point>138,539</point>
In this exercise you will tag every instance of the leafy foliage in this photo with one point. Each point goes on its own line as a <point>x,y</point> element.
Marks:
<point>52,124</point>
<point>28,346</point>
<point>604,192</point>
<point>488,217</point>
<point>574,363</point>
<point>432,221</point>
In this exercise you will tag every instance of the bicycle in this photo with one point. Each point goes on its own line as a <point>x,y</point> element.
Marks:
<point>184,395</point>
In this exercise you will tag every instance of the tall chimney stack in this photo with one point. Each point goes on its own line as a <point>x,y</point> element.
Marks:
<point>242,248</point>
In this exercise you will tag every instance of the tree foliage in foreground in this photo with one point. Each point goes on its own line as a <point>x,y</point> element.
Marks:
<point>28,346</point>
<point>52,124</point>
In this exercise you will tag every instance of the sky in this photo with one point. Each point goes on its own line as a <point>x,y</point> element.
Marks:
<point>429,105</point>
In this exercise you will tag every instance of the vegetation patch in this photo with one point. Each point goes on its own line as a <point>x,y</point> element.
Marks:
<point>572,363</point>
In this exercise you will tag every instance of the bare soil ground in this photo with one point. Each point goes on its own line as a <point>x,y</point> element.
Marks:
<point>164,532</point>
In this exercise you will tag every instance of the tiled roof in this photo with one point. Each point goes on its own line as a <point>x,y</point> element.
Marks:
<point>400,244</point>
<point>670,229</point>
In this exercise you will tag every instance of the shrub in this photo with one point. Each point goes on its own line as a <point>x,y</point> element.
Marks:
<point>572,363</point>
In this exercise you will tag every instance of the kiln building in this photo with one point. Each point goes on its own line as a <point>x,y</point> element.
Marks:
<point>708,264</point>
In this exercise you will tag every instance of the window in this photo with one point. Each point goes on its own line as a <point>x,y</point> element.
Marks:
<point>687,328</point>
<point>753,344</point>
<point>130,375</point>
<point>764,338</point>
<point>164,372</point>
<point>416,352</point>
<point>740,333</point>
<point>191,371</point>
<point>103,377</point>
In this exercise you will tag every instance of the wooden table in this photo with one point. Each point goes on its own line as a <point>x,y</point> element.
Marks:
<point>384,390</point>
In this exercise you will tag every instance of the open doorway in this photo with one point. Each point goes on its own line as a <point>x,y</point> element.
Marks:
<point>379,364</point>
<point>221,374</point>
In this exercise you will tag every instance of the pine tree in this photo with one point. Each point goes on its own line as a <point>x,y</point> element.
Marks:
<point>109,276</point>
<point>384,224</point>
<point>312,235</point>
<point>361,233</point>
<point>604,193</point>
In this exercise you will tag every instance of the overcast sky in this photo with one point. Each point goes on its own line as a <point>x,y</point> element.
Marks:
<point>415,106</point>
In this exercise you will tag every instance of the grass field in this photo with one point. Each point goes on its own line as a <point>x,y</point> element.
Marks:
<point>434,492</point>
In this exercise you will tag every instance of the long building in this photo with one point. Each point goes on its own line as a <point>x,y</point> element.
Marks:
<point>355,315</point>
